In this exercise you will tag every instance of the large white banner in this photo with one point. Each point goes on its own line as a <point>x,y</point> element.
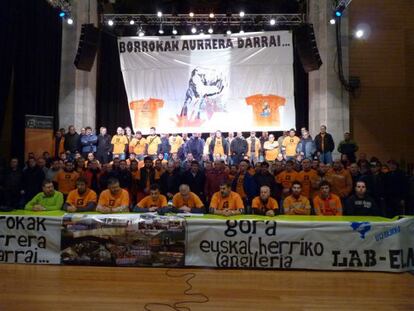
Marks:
<point>210,82</point>
<point>373,246</point>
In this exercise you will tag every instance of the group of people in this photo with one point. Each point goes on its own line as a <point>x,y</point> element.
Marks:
<point>186,174</point>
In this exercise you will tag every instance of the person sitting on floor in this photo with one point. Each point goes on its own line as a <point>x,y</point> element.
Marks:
<point>47,200</point>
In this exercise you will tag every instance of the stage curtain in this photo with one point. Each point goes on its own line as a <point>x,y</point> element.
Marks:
<point>111,99</point>
<point>31,34</point>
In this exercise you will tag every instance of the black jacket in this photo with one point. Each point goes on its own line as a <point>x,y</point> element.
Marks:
<point>72,142</point>
<point>170,182</point>
<point>329,144</point>
<point>238,146</point>
<point>196,182</point>
<point>104,144</point>
<point>32,181</point>
<point>361,207</point>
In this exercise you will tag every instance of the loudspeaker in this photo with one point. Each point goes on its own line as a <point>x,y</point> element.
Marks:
<point>88,44</point>
<point>305,44</point>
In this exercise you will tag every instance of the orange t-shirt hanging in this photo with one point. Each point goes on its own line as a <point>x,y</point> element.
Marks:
<point>146,112</point>
<point>266,109</point>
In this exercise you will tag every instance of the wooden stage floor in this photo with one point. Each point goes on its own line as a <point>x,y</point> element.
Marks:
<point>31,287</point>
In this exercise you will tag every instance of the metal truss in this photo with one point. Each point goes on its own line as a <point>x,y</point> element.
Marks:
<point>204,19</point>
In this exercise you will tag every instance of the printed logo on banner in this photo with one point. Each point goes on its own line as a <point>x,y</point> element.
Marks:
<point>361,227</point>
<point>387,233</point>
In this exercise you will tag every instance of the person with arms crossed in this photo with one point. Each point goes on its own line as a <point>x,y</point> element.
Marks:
<point>264,204</point>
<point>114,199</point>
<point>47,200</point>
<point>296,204</point>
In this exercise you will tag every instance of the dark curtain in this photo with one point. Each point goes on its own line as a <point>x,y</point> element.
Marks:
<point>31,32</point>
<point>112,103</point>
<point>111,99</point>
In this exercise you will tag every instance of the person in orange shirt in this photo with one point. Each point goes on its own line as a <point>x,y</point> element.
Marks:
<point>286,178</point>
<point>154,202</point>
<point>139,146</point>
<point>114,199</point>
<point>327,203</point>
<point>340,179</point>
<point>290,144</point>
<point>296,204</point>
<point>226,202</point>
<point>186,201</point>
<point>146,112</point>
<point>266,109</point>
<point>119,144</point>
<point>271,148</point>
<point>264,204</point>
<point>66,179</point>
<point>82,199</point>
<point>307,178</point>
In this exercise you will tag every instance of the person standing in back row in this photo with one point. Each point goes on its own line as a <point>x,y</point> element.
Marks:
<point>325,145</point>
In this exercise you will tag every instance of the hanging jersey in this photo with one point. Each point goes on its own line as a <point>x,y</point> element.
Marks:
<point>146,112</point>
<point>266,109</point>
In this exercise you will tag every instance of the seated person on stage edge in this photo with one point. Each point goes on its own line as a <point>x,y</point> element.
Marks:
<point>264,204</point>
<point>327,203</point>
<point>154,202</point>
<point>296,204</point>
<point>82,199</point>
<point>226,202</point>
<point>186,201</point>
<point>114,199</point>
<point>47,200</point>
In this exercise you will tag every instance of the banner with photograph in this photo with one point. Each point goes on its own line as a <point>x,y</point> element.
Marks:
<point>202,83</point>
<point>364,245</point>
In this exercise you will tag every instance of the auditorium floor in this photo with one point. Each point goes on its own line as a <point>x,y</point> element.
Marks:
<point>30,287</point>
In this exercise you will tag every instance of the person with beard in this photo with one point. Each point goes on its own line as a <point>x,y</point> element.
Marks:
<point>47,200</point>
<point>264,204</point>
<point>327,203</point>
<point>296,203</point>
<point>264,178</point>
<point>66,179</point>
<point>33,177</point>
<point>114,199</point>
<point>244,184</point>
<point>170,181</point>
<point>360,203</point>
<point>238,148</point>
<point>103,147</point>
<point>12,187</point>
<point>226,202</point>
<point>72,141</point>
<point>92,176</point>
<point>82,199</point>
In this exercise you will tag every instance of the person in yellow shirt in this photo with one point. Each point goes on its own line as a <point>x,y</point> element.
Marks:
<point>271,148</point>
<point>219,146</point>
<point>307,177</point>
<point>296,204</point>
<point>286,178</point>
<point>153,140</point>
<point>327,203</point>
<point>264,204</point>
<point>139,146</point>
<point>226,202</point>
<point>119,144</point>
<point>176,141</point>
<point>290,144</point>
<point>114,199</point>
<point>154,202</point>
<point>186,201</point>
<point>82,199</point>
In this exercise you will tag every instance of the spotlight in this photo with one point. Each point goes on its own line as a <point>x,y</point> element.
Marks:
<point>191,14</point>
<point>359,34</point>
<point>272,22</point>
<point>131,22</point>
<point>210,30</point>
<point>241,14</point>
<point>141,33</point>
<point>228,32</point>
<point>70,21</point>
<point>174,31</point>
<point>193,29</point>
<point>332,21</point>
<point>161,31</point>
<point>110,22</point>
<point>62,14</point>
<point>211,15</point>
<point>241,31</point>
<point>159,14</point>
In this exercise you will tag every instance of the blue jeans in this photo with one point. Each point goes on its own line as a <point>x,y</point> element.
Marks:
<point>326,157</point>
